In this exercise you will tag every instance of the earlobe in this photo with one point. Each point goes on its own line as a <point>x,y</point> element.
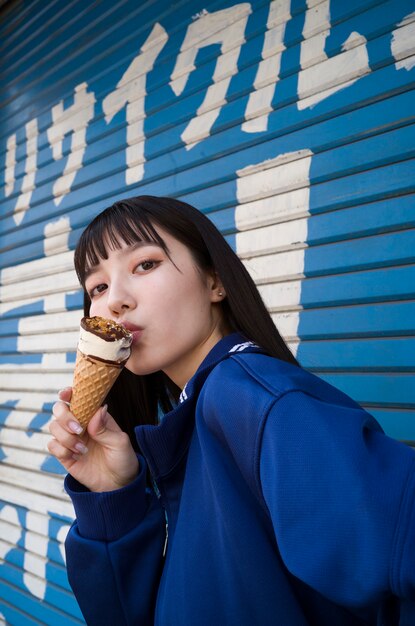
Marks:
<point>217,290</point>
<point>218,294</point>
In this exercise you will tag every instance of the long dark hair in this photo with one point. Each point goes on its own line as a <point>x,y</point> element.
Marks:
<point>139,399</point>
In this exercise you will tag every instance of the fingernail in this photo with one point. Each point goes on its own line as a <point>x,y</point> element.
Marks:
<point>104,412</point>
<point>79,447</point>
<point>75,427</point>
<point>64,389</point>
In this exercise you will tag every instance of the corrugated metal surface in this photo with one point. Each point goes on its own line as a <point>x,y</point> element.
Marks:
<point>289,123</point>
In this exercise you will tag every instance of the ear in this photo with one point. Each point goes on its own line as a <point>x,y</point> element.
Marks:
<point>217,291</point>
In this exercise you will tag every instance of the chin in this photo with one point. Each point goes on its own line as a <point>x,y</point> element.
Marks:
<point>139,369</point>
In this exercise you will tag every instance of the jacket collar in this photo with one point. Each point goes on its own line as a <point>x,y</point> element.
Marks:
<point>166,444</point>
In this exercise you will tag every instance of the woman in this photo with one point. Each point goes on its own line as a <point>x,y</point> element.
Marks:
<point>263,496</point>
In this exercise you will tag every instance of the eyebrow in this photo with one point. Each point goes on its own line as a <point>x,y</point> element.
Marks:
<point>139,244</point>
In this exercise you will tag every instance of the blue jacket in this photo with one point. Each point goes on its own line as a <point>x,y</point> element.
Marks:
<point>286,506</point>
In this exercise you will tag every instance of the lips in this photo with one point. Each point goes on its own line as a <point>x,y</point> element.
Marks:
<point>135,330</point>
<point>131,327</point>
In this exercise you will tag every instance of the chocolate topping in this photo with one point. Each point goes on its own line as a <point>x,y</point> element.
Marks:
<point>106,329</point>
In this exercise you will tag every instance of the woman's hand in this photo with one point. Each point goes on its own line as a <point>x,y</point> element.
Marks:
<point>101,458</point>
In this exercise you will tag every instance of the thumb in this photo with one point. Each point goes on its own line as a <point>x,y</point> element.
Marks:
<point>103,428</point>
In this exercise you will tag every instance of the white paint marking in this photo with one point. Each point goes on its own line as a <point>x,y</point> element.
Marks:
<point>285,183</point>
<point>402,45</point>
<point>272,238</point>
<point>61,538</point>
<point>130,92</point>
<point>227,28</point>
<point>56,236</point>
<point>259,102</point>
<point>9,514</point>
<point>10,165</point>
<point>321,76</point>
<point>40,503</point>
<point>34,563</point>
<point>74,120</point>
<point>273,176</point>
<point>28,184</point>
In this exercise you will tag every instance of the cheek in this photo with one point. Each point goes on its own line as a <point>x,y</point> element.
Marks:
<point>97,308</point>
<point>188,298</point>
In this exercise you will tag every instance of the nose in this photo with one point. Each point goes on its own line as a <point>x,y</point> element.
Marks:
<point>120,299</point>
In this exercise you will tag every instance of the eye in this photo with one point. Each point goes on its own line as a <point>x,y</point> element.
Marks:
<point>96,290</point>
<point>146,265</point>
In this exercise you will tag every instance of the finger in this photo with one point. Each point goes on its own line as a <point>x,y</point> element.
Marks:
<point>63,415</point>
<point>66,439</point>
<point>65,394</point>
<point>61,410</point>
<point>60,452</point>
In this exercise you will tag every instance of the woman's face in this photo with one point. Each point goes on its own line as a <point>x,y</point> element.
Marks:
<point>169,304</point>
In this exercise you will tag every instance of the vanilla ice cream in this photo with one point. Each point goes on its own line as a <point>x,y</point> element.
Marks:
<point>104,339</point>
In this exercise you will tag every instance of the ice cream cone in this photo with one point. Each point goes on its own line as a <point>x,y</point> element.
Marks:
<point>103,350</point>
<point>92,381</point>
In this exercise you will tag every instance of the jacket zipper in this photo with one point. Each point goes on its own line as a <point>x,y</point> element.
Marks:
<point>167,534</point>
<point>158,494</point>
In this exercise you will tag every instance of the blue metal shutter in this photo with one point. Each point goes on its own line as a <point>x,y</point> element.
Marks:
<point>289,123</point>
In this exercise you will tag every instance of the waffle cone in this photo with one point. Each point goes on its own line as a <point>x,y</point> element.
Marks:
<point>91,383</point>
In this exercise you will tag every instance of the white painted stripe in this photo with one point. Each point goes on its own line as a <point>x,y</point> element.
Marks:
<point>35,584</point>
<point>53,303</point>
<point>57,236</point>
<point>20,419</point>
<point>37,502</point>
<point>274,267</point>
<point>42,483</point>
<point>274,238</point>
<point>52,342</point>
<point>8,514</point>
<point>47,381</point>
<point>32,401</point>
<point>284,296</point>
<point>39,287</point>
<point>272,210</point>
<point>293,347</point>
<point>287,324</point>
<point>402,45</point>
<point>26,460</point>
<point>34,441</point>
<point>37,523</point>
<point>63,321</point>
<point>23,459</point>
<point>275,231</point>
<point>28,368</point>
<point>45,266</point>
<point>274,176</point>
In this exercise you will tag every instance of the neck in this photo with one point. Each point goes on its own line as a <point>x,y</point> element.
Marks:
<point>184,369</point>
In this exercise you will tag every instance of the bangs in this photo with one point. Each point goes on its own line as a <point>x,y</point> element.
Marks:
<point>116,226</point>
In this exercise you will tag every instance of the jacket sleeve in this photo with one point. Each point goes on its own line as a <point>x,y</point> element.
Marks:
<point>341,496</point>
<point>114,552</point>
